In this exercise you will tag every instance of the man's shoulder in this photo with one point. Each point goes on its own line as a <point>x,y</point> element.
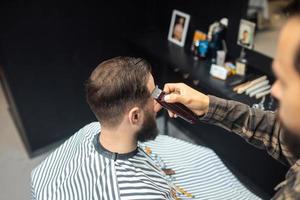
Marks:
<point>69,150</point>
<point>60,168</point>
<point>290,187</point>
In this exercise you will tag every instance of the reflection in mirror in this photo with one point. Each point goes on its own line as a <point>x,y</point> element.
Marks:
<point>269,16</point>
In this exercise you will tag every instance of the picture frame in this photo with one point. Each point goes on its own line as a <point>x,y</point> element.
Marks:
<point>246,34</point>
<point>178,27</point>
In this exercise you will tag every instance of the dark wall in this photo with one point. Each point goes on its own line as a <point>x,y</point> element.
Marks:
<point>48,49</point>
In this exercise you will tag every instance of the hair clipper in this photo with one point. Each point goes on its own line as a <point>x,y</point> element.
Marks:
<point>177,108</point>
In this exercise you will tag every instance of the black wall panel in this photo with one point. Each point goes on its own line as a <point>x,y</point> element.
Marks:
<point>48,49</point>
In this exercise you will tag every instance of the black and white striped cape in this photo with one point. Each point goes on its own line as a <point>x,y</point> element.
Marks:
<point>76,170</point>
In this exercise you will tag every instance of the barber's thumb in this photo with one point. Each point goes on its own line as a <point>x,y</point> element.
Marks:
<point>173,98</point>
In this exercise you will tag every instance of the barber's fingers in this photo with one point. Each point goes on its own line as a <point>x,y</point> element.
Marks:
<point>174,93</point>
<point>175,98</point>
<point>173,87</point>
<point>172,115</point>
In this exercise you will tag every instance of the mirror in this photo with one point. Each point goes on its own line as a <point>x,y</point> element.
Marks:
<point>269,16</point>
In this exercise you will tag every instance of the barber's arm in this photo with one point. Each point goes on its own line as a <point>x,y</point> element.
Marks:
<point>260,128</point>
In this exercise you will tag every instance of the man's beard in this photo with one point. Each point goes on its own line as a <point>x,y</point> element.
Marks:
<point>149,129</point>
<point>291,139</point>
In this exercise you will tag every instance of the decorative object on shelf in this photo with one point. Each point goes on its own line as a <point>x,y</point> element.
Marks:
<point>246,34</point>
<point>218,71</point>
<point>216,37</point>
<point>240,66</point>
<point>245,40</point>
<point>200,44</point>
<point>231,68</point>
<point>222,70</point>
<point>243,87</point>
<point>199,36</point>
<point>257,88</point>
<point>221,55</point>
<point>178,27</point>
<point>203,48</point>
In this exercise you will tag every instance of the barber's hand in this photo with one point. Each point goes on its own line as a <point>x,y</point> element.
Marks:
<point>191,98</point>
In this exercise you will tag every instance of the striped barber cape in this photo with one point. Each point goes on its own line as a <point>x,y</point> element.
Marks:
<point>82,169</point>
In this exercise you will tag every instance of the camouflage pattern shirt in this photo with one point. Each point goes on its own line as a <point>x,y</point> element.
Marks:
<point>263,130</point>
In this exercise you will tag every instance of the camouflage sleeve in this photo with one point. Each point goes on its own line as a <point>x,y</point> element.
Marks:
<point>260,128</point>
<point>290,187</point>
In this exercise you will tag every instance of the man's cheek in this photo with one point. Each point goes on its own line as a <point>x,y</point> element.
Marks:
<point>289,113</point>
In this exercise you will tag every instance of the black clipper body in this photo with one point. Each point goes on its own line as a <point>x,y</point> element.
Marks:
<point>179,109</point>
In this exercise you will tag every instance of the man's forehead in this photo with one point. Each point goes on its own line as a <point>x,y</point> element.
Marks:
<point>289,41</point>
<point>290,35</point>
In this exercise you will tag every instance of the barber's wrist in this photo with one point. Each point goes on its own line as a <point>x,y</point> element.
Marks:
<point>203,106</point>
<point>206,104</point>
<point>207,112</point>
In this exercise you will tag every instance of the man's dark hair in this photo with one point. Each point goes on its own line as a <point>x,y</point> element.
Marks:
<point>115,85</point>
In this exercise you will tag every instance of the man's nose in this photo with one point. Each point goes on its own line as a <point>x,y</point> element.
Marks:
<point>276,90</point>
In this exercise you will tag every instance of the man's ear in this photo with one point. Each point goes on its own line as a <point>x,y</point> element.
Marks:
<point>135,116</point>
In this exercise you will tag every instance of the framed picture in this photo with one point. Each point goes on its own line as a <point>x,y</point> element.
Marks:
<point>178,27</point>
<point>246,34</point>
